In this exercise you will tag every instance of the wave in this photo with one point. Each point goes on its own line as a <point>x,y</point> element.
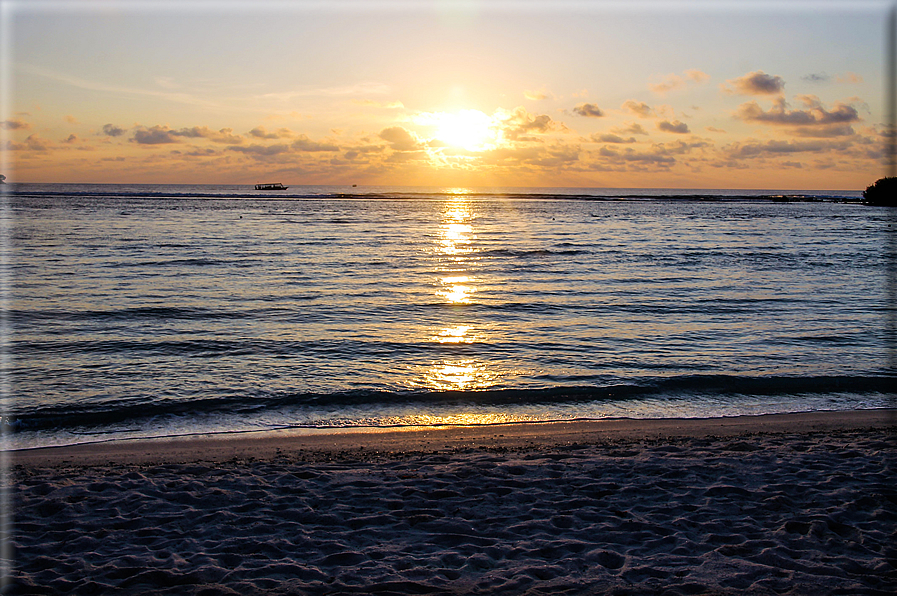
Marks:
<point>717,387</point>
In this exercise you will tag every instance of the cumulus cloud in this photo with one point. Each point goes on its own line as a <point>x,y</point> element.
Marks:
<point>776,148</point>
<point>631,157</point>
<point>156,135</point>
<point>16,124</point>
<point>260,132</point>
<point>261,151</point>
<point>520,122</point>
<point>814,115</point>
<point>640,109</point>
<point>611,138</point>
<point>303,143</point>
<point>399,139</point>
<point>633,129</point>
<point>110,130</point>
<point>674,127</point>
<point>588,110</point>
<point>674,81</point>
<point>756,83</point>
<point>225,135</point>
<point>71,119</point>
<point>32,143</point>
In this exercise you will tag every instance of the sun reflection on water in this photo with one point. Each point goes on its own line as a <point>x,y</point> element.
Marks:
<point>461,375</point>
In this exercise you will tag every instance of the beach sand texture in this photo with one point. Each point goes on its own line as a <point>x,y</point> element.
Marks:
<point>787,504</point>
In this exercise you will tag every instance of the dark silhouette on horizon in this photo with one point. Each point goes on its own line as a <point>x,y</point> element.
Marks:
<point>883,192</point>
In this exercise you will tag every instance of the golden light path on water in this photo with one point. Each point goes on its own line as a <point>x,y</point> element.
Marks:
<point>456,262</point>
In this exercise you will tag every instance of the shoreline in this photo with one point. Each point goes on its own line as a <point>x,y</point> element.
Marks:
<point>265,445</point>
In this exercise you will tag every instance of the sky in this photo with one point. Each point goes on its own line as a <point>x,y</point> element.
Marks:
<point>661,94</point>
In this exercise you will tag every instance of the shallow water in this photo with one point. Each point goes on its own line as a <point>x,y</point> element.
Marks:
<point>158,310</point>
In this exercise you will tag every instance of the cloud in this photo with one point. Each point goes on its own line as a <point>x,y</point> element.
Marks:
<point>32,143</point>
<point>674,81</point>
<point>15,124</point>
<point>675,127</point>
<point>611,138</point>
<point>756,83</point>
<point>850,77</point>
<point>72,138</point>
<point>399,139</point>
<point>633,129</point>
<point>588,110</point>
<point>110,130</point>
<point>71,119</point>
<point>303,143</point>
<point>157,135</point>
<point>261,151</point>
<point>820,77</point>
<point>260,132</point>
<point>815,115</point>
<point>537,95</point>
<point>551,157</point>
<point>658,158</point>
<point>776,148</point>
<point>519,122</point>
<point>640,109</point>
<point>225,135</point>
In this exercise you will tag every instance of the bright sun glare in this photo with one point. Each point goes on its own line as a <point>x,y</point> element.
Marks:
<point>467,129</point>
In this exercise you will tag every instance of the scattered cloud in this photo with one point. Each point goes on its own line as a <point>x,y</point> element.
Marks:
<point>674,127</point>
<point>819,77</point>
<point>755,83</point>
<point>261,151</point>
<point>640,109</point>
<point>850,77</point>
<point>814,115</point>
<point>16,124</point>
<point>777,147</point>
<point>673,81</point>
<point>260,132</point>
<point>519,122</point>
<point>70,119</point>
<point>611,138</point>
<point>32,143</point>
<point>588,110</point>
<point>633,129</point>
<point>400,139</point>
<point>225,135</point>
<point>157,135</point>
<point>110,130</point>
<point>303,143</point>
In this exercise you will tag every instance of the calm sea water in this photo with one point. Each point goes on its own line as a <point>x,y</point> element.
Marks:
<point>164,310</point>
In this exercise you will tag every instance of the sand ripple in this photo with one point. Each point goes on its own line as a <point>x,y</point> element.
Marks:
<point>780,514</point>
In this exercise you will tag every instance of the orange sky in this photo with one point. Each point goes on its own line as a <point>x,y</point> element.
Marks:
<point>589,94</point>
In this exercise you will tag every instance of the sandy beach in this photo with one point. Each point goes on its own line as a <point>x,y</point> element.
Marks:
<point>777,504</point>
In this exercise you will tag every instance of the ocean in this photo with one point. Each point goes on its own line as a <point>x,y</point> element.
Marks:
<point>139,311</point>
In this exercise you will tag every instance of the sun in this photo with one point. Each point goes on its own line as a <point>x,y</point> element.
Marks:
<point>466,129</point>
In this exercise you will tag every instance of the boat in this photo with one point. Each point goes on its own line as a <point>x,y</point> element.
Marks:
<point>271,186</point>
